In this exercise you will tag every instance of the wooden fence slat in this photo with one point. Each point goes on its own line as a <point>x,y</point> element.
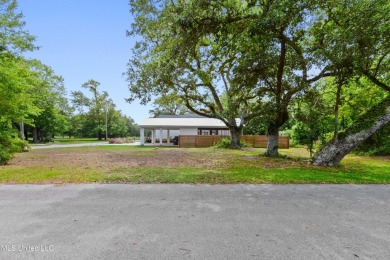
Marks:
<point>187,140</point>
<point>257,141</point>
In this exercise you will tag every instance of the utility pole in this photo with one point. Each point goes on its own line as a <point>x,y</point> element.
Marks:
<point>106,123</point>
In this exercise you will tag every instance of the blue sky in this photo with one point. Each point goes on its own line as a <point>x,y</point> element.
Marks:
<point>82,40</point>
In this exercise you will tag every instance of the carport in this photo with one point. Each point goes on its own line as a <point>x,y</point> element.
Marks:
<point>165,127</point>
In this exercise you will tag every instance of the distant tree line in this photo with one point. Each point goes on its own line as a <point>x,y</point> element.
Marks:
<point>97,113</point>
<point>33,103</point>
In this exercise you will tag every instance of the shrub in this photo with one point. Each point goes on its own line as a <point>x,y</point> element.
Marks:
<point>9,144</point>
<point>120,141</point>
<point>19,146</point>
<point>226,143</point>
<point>5,155</point>
<point>378,144</point>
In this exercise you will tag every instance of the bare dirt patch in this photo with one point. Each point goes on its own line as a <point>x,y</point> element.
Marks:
<point>108,159</point>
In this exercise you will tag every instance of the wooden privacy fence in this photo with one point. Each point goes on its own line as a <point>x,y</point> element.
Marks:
<point>257,141</point>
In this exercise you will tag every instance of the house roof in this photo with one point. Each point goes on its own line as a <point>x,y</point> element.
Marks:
<point>183,121</point>
<point>188,115</point>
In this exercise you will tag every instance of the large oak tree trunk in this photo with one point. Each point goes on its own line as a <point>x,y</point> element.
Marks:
<point>235,137</point>
<point>273,132</point>
<point>367,125</point>
<point>273,142</point>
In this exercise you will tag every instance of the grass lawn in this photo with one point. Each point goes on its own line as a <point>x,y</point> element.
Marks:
<point>84,140</point>
<point>76,140</point>
<point>66,140</point>
<point>133,164</point>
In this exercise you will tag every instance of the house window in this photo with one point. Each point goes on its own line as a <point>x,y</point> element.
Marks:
<point>203,132</point>
<point>224,132</point>
<point>212,131</point>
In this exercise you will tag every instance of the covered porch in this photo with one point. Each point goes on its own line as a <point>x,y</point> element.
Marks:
<point>160,136</point>
<point>163,129</point>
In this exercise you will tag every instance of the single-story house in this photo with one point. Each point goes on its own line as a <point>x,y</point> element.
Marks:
<point>169,126</point>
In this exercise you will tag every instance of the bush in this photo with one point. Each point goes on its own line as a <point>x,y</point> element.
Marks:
<point>10,143</point>
<point>383,150</point>
<point>378,144</point>
<point>120,141</point>
<point>226,143</point>
<point>380,151</point>
<point>5,155</point>
<point>19,146</point>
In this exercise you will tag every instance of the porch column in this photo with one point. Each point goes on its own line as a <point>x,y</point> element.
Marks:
<point>142,135</point>
<point>167,136</point>
<point>153,136</point>
<point>161,136</point>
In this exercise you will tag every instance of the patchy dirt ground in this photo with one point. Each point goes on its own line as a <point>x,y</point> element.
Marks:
<point>120,164</point>
<point>108,159</point>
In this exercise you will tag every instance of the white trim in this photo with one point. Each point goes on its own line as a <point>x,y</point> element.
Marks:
<point>177,123</point>
<point>142,136</point>
<point>161,136</point>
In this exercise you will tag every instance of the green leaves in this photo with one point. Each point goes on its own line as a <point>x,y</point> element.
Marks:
<point>12,36</point>
<point>16,86</point>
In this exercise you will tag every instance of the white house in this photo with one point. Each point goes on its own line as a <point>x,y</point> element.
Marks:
<point>169,126</point>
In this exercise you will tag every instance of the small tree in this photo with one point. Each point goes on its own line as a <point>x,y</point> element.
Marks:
<point>97,106</point>
<point>361,28</point>
<point>313,116</point>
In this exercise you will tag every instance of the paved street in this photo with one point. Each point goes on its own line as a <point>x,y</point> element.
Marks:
<point>195,221</point>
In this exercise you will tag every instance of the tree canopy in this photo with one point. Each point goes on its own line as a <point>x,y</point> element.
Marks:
<point>253,59</point>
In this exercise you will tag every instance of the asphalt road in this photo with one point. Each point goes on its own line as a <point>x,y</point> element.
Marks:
<point>195,222</point>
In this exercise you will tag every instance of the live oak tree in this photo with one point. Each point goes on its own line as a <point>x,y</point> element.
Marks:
<point>177,54</point>
<point>266,43</point>
<point>170,104</point>
<point>362,29</point>
<point>276,59</point>
<point>271,50</point>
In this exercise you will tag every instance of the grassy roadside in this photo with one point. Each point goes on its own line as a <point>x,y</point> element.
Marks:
<point>76,140</point>
<point>84,140</point>
<point>60,140</point>
<point>131,164</point>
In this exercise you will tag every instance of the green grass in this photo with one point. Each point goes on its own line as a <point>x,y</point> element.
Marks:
<point>76,140</point>
<point>83,140</point>
<point>60,140</point>
<point>132,164</point>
